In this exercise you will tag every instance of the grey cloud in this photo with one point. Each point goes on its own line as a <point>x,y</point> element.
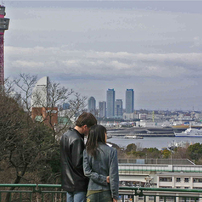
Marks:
<point>153,47</point>
<point>119,64</point>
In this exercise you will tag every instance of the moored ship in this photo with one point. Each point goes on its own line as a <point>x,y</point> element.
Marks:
<point>190,132</point>
<point>133,137</point>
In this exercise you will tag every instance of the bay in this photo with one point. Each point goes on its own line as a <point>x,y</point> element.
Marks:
<point>147,142</point>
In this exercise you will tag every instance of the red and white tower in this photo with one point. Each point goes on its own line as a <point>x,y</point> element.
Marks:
<point>4,22</point>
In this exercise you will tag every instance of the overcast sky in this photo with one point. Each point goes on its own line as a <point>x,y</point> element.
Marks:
<point>153,47</point>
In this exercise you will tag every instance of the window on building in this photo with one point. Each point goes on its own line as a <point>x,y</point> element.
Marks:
<point>186,179</point>
<point>197,180</point>
<point>189,199</point>
<point>151,198</point>
<point>166,187</point>
<point>165,179</point>
<point>162,198</point>
<point>178,179</point>
<point>141,198</point>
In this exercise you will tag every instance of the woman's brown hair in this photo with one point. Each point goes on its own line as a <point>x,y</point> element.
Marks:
<point>96,135</point>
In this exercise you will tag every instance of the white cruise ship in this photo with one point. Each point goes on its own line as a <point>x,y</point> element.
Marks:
<point>190,132</point>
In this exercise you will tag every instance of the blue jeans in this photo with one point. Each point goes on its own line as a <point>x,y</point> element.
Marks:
<point>76,196</point>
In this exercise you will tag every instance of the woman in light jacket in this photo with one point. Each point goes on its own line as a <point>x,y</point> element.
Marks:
<point>100,165</point>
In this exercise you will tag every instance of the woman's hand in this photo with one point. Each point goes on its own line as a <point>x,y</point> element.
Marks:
<point>114,200</point>
<point>108,179</point>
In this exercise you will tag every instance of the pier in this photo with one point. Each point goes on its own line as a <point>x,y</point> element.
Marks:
<point>142,132</point>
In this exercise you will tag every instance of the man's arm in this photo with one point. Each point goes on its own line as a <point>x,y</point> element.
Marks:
<point>77,154</point>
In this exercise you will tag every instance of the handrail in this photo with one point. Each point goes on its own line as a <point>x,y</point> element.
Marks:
<point>121,188</point>
<point>54,192</point>
<point>161,189</point>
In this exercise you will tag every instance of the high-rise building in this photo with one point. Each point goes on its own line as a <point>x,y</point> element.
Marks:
<point>40,93</point>
<point>4,23</point>
<point>129,101</point>
<point>42,110</point>
<point>119,108</point>
<point>92,105</point>
<point>110,103</point>
<point>65,106</point>
<point>102,109</point>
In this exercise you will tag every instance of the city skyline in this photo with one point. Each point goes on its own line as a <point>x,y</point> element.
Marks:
<point>153,47</point>
<point>130,99</point>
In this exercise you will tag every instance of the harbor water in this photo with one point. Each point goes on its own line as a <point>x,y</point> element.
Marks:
<point>148,142</point>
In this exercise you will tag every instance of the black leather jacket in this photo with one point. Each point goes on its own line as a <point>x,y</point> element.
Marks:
<point>71,150</point>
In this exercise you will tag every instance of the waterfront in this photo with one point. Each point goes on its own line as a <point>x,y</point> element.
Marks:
<point>147,142</point>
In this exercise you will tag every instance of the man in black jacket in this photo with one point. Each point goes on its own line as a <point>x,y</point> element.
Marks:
<point>71,149</point>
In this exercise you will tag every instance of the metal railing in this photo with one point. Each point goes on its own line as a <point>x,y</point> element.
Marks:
<point>53,193</point>
<point>131,168</point>
<point>31,193</point>
<point>146,194</point>
<point>153,161</point>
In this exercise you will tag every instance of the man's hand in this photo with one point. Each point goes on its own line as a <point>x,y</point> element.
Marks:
<point>108,179</point>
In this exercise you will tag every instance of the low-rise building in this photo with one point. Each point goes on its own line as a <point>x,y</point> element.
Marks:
<point>179,180</point>
<point>130,116</point>
<point>48,115</point>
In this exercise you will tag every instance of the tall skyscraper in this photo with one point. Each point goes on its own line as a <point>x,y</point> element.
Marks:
<point>110,103</point>
<point>129,101</point>
<point>40,93</point>
<point>119,108</point>
<point>92,105</point>
<point>4,22</point>
<point>102,109</point>
<point>42,109</point>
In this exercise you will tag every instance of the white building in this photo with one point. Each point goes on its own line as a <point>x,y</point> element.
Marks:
<point>40,93</point>
<point>144,123</point>
<point>143,116</point>
<point>179,180</point>
<point>130,116</point>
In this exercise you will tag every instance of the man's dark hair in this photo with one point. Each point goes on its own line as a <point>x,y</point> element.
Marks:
<point>86,119</point>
